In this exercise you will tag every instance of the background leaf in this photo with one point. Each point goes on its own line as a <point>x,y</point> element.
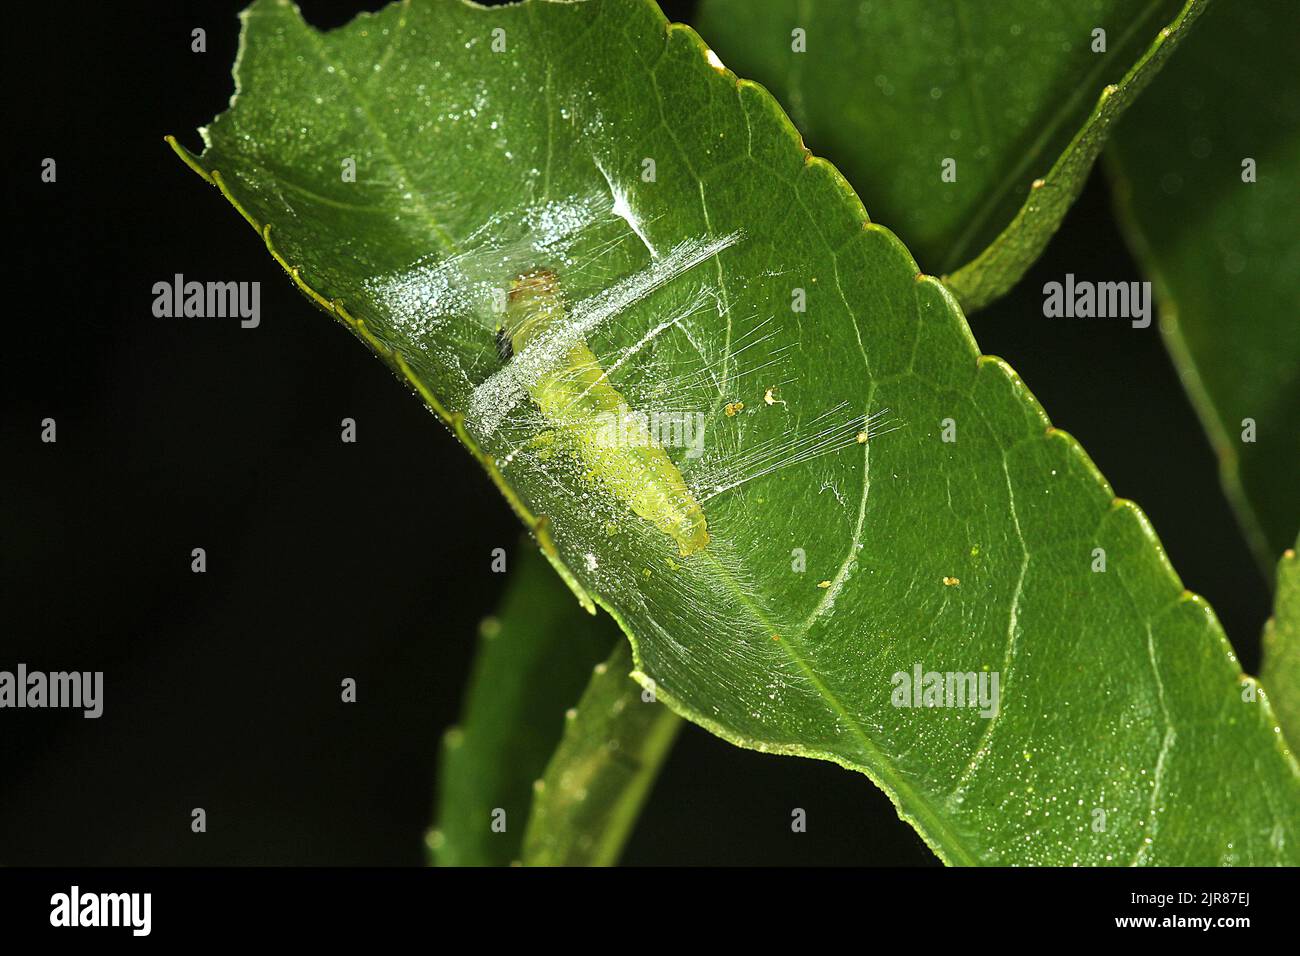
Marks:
<point>1225,254</point>
<point>614,743</point>
<point>1013,92</point>
<point>1121,699</point>
<point>535,657</point>
<point>1281,671</point>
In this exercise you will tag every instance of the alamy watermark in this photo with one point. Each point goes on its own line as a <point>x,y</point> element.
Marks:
<point>1100,300</point>
<point>627,428</point>
<point>78,690</point>
<point>922,688</point>
<point>128,910</point>
<point>208,300</point>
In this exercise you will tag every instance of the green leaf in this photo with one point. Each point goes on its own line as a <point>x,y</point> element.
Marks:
<point>1224,254</point>
<point>535,658</point>
<point>1012,91</point>
<point>614,743</point>
<point>1280,674</point>
<point>833,564</point>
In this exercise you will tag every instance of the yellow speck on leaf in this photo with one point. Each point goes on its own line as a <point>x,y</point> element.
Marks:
<point>824,584</point>
<point>734,407</point>
<point>951,581</point>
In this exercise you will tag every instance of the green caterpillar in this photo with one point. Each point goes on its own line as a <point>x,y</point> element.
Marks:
<point>576,394</point>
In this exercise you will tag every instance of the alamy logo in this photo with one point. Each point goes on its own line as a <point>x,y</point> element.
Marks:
<point>632,429</point>
<point>1100,300</point>
<point>922,688</point>
<point>208,300</point>
<point>75,908</point>
<point>83,690</point>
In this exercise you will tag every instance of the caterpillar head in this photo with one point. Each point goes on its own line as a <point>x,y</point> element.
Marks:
<point>533,302</point>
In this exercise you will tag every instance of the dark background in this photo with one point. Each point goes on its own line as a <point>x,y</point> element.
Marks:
<point>371,560</point>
